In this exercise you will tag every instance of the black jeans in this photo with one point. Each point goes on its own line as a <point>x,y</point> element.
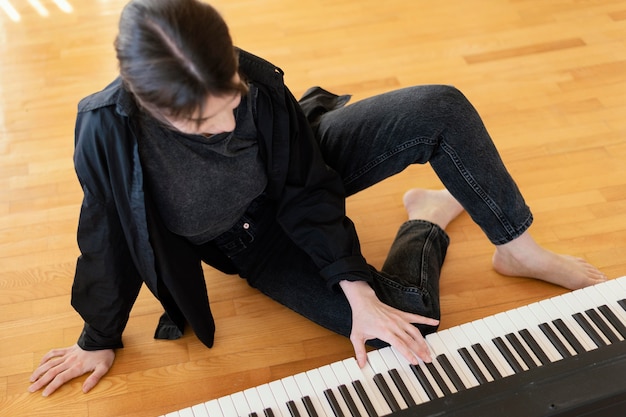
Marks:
<point>365,143</point>
<point>265,256</point>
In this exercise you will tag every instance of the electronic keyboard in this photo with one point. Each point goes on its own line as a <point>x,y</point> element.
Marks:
<point>564,356</point>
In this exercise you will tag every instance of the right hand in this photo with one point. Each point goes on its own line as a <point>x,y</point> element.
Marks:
<point>372,319</point>
<point>62,365</point>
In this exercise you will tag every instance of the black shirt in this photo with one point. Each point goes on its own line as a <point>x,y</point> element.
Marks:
<point>203,185</point>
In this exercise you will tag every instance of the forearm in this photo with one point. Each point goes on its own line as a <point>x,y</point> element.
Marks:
<point>357,292</point>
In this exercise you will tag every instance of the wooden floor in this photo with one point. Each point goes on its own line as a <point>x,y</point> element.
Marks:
<point>549,77</point>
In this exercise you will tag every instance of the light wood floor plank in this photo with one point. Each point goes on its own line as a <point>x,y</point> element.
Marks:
<point>549,78</point>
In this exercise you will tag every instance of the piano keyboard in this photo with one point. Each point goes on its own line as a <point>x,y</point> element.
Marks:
<point>479,353</point>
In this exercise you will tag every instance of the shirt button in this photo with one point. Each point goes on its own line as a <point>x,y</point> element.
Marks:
<point>246,226</point>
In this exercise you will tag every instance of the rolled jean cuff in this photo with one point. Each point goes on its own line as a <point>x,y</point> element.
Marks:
<point>409,279</point>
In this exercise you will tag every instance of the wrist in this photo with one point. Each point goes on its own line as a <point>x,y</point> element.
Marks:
<point>356,290</point>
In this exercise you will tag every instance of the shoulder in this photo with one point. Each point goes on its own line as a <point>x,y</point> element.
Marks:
<point>260,71</point>
<point>102,123</point>
<point>114,97</point>
<point>106,97</point>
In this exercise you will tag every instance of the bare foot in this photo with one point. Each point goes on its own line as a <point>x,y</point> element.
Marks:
<point>523,257</point>
<point>435,206</point>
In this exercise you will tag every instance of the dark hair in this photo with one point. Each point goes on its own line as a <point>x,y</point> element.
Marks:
<point>173,54</point>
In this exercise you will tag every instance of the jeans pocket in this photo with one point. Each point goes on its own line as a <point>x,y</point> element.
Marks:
<point>238,238</point>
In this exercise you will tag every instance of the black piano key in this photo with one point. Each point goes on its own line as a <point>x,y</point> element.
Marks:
<point>622,303</point>
<point>534,346</point>
<point>387,394</point>
<point>554,339</point>
<point>613,319</point>
<point>423,380</point>
<point>404,391</point>
<point>595,337</point>
<point>308,405</point>
<point>268,412</point>
<point>569,336</point>
<point>521,350</point>
<point>473,366</point>
<point>365,399</point>
<point>508,355</point>
<point>451,372</point>
<point>484,357</point>
<point>347,397</point>
<point>438,379</point>
<point>601,324</point>
<point>334,404</point>
<point>293,409</point>
<point>253,414</point>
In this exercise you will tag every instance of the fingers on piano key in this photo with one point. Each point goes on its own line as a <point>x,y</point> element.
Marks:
<point>465,356</point>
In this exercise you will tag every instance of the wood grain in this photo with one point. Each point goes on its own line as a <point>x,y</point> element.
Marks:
<point>548,77</point>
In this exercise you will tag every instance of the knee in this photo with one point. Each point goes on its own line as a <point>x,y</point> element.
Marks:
<point>448,97</point>
<point>449,107</point>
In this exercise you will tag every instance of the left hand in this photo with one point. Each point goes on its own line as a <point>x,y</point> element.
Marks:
<point>372,319</point>
<point>59,366</point>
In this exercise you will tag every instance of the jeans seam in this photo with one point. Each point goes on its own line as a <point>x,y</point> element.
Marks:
<point>428,243</point>
<point>469,179</point>
<point>393,284</point>
<point>388,154</point>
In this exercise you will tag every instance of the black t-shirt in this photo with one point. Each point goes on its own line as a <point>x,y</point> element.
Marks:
<point>202,186</point>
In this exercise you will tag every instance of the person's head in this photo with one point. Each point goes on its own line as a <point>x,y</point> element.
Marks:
<point>177,58</point>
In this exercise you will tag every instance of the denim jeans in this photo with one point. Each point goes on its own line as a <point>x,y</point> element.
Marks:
<point>375,138</point>
<point>365,143</point>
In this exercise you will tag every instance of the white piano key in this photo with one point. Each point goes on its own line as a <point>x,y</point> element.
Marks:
<point>241,404</point>
<point>213,408</point>
<point>319,385</point>
<point>612,292</point>
<point>577,307</point>
<point>269,401</point>
<point>430,379</point>
<point>463,342</point>
<point>366,376</point>
<point>227,406</point>
<point>406,365</point>
<point>622,282</point>
<point>185,412</point>
<point>281,397</point>
<point>498,331</point>
<point>443,342</point>
<point>543,317</point>
<point>616,287</point>
<point>510,326</point>
<point>378,365</point>
<point>390,356</point>
<point>478,332</point>
<point>440,370</point>
<point>199,410</point>
<point>307,390</point>
<point>484,337</point>
<point>344,378</point>
<point>524,318</point>
<point>593,298</point>
<point>254,401</point>
<point>558,308</point>
<point>333,384</point>
<point>294,394</point>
